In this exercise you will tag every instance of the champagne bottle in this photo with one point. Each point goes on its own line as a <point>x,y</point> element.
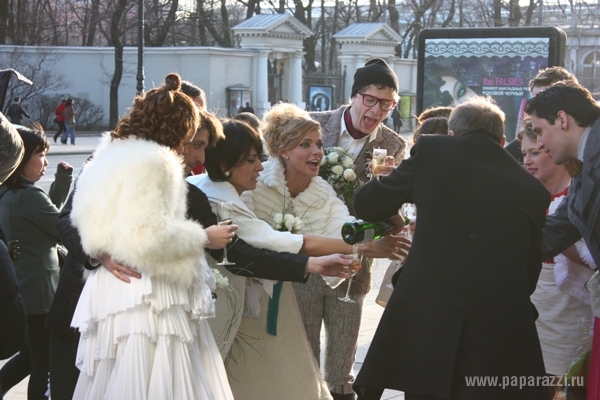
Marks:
<point>362,231</point>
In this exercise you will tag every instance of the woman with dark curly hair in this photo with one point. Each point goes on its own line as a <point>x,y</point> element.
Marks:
<point>147,339</point>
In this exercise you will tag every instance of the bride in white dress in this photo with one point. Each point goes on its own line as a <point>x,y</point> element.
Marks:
<point>147,339</point>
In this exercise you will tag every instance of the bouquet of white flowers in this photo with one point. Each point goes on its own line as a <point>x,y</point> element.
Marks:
<point>338,169</point>
<point>287,222</point>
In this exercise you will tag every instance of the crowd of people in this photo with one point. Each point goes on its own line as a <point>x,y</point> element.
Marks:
<point>144,306</point>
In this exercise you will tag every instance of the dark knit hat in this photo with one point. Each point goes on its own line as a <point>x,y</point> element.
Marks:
<point>375,71</point>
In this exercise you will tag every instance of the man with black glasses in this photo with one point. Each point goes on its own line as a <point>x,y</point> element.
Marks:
<point>358,128</point>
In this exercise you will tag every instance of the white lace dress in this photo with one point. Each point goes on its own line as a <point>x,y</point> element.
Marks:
<point>148,339</point>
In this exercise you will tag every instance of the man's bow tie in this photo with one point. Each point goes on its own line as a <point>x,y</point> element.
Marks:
<point>574,167</point>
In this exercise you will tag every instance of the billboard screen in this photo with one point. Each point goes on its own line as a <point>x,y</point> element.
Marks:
<point>455,64</point>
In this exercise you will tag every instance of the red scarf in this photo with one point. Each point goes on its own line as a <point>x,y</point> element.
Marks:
<point>355,133</point>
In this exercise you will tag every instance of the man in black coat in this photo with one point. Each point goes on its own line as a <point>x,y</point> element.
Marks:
<point>460,312</point>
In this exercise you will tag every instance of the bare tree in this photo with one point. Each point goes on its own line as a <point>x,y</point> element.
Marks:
<point>39,66</point>
<point>497,6</point>
<point>304,14</point>
<point>394,15</point>
<point>3,21</point>
<point>419,10</point>
<point>529,13</point>
<point>157,25</point>
<point>93,23</point>
<point>115,31</point>
<point>216,24</point>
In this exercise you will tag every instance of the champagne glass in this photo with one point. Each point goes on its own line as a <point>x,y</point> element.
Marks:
<point>225,214</point>
<point>406,233</point>
<point>378,161</point>
<point>409,211</point>
<point>353,269</point>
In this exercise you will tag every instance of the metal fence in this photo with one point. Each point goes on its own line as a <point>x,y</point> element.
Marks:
<point>335,79</point>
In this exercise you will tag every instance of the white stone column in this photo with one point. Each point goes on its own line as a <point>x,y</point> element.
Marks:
<point>350,65</point>
<point>295,79</point>
<point>262,84</point>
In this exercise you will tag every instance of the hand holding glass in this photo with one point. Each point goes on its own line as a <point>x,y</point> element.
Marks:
<point>378,161</point>
<point>353,269</point>
<point>225,214</point>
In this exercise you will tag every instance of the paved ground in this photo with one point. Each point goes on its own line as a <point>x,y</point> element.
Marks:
<point>85,144</point>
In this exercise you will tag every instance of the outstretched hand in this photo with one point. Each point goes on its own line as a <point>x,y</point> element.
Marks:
<point>120,271</point>
<point>331,265</point>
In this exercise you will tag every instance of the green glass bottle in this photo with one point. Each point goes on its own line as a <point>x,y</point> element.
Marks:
<point>362,231</point>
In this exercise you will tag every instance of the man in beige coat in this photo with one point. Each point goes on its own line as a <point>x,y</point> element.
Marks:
<point>357,127</point>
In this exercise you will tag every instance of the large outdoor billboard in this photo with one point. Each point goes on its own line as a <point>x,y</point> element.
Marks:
<point>455,64</point>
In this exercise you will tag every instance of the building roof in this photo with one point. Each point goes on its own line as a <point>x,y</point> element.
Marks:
<point>272,25</point>
<point>374,32</point>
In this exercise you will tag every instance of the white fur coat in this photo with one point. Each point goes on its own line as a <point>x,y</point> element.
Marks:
<point>130,203</point>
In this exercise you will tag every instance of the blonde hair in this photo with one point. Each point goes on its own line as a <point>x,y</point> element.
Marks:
<point>478,114</point>
<point>284,126</point>
<point>526,129</point>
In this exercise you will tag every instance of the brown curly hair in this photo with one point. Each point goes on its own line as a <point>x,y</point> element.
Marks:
<point>164,115</point>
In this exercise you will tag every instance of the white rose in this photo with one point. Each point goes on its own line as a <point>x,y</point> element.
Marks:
<point>277,218</point>
<point>298,224</point>
<point>332,157</point>
<point>323,160</point>
<point>347,162</point>
<point>222,281</point>
<point>288,221</point>
<point>349,175</point>
<point>338,170</point>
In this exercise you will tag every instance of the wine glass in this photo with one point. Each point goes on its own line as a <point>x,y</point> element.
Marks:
<point>378,161</point>
<point>399,263</point>
<point>353,269</point>
<point>225,214</point>
<point>409,211</point>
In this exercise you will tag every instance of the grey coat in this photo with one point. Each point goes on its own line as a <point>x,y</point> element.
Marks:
<point>577,215</point>
<point>29,215</point>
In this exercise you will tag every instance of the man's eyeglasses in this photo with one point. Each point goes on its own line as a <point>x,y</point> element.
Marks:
<point>370,101</point>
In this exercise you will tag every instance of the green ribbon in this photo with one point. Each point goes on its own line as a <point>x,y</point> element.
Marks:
<point>274,309</point>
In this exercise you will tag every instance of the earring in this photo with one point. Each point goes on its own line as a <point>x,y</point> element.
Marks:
<point>287,157</point>
<point>227,174</point>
